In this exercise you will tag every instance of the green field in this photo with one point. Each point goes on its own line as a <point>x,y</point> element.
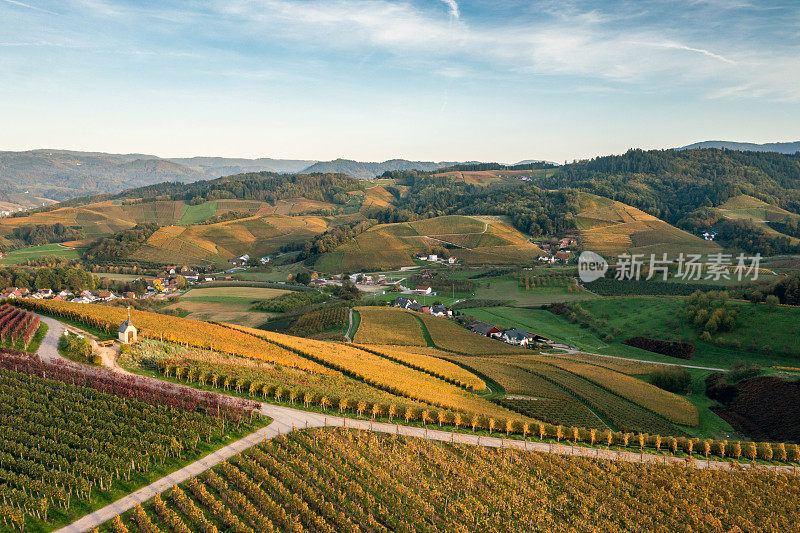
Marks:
<point>508,288</point>
<point>192,214</point>
<point>35,252</point>
<point>661,318</point>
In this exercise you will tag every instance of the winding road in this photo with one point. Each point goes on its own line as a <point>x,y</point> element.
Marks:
<point>287,420</point>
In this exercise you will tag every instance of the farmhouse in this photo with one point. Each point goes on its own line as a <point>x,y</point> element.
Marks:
<point>43,293</point>
<point>441,310</point>
<point>485,329</point>
<point>516,336</point>
<point>423,289</point>
<point>562,256</point>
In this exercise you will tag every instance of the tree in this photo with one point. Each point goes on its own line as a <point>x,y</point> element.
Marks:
<point>303,278</point>
<point>772,302</point>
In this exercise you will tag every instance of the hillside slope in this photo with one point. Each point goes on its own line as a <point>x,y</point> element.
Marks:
<point>781,148</point>
<point>474,240</point>
<point>609,227</point>
<point>366,171</point>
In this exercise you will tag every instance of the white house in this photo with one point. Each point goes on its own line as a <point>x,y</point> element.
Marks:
<point>423,289</point>
<point>433,257</point>
<point>516,336</point>
<point>451,260</point>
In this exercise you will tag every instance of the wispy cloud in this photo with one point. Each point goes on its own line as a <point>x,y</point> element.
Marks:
<point>453,5</point>
<point>29,6</point>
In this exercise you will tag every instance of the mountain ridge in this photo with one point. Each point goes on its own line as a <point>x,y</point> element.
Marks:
<point>780,147</point>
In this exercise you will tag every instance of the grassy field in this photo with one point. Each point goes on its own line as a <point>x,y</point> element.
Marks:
<point>226,304</point>
<point>192,214</point>
<point>661,317</point>
<point>35,252</point>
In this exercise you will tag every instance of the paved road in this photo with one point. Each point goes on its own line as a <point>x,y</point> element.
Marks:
<point>349,326</point>
<point>286,420</point>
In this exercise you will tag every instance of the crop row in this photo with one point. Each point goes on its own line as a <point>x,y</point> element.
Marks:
<point>340,480</point>
<point>382,325</point>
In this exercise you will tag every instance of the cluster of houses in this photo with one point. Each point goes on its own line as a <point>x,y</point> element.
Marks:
<point>436,259</point>
<point>516,336</point>
<point>556,251</point>
<point>412,305</point>
<point>65,295</point>
<point>244,260</point>
<point>358,278</point>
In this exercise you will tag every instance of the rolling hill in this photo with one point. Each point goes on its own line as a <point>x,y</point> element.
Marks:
<point>781,147</point>
<point>758,212</point>
<point>368,171</point>
<point>474,240</point>
<point>609,227</point>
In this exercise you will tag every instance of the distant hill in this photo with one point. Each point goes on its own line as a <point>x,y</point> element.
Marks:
<point>215,167</point>
<point>64,174</point>
<point>782,148</point>
<point>367,171</point>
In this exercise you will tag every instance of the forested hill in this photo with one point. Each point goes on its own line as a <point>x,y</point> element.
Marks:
<point>670,184</point>
<point>366,171</point>
<point>261,186</point>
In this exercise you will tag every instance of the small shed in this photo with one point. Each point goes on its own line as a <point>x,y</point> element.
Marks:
<point>127,331</point>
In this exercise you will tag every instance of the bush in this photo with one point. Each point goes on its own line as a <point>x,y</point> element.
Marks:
<point>680,350</point>
<point>673,379</point>
<point>743,370</point>
<point>720,389</point>
<point>75,347</point>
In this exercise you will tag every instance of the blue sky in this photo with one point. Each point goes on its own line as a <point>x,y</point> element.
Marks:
<point>497,80</point>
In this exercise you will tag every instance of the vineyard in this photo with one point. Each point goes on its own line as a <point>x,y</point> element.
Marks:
<point>432,365</point>
<point>320,320</point>
<point>17,326</point>
<point>669,405</point>
<point>447,335</point>
<point>174,329</point>
<point>342,480</point>
<point>385,374</point>
<point>623,414</point>
<point>71,434</point>
<point>386,325</point>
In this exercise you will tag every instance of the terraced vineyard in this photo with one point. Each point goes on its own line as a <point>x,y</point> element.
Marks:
<point>387,325</point>
<point>71,438</point>
<point>342,480</point>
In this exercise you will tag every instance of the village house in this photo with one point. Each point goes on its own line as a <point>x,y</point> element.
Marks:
<point>403,302</point>
<point>441,310</point>
<point>485,329</point>
<point>42,294</point>
<point>423,289</point>
<point>562,256</point>
<point>451,260</point>
<point>516,336</point>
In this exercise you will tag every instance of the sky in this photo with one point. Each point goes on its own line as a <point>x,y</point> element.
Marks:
<point>441,80</point>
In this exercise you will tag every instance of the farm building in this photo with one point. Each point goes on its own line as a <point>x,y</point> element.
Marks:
<point>423,289</point>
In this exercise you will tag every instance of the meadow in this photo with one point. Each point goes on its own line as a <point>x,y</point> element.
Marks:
<point>226,304</point>
<point>22,255</point>
<point>337,480</point>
